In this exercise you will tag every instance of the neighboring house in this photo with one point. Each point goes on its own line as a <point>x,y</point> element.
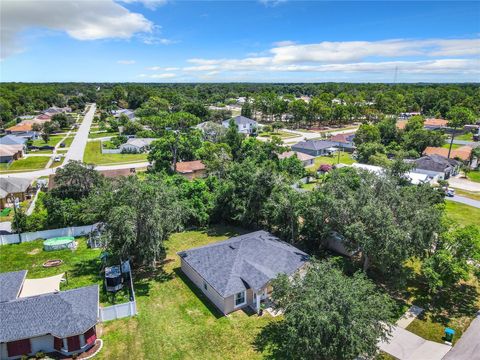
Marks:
<point>191,169</point>
<point>237,273</point>
<point>435,124</point>
<point>57,110</point>
<point>60,322</point>
<point>244,124</point>
<point>12,140</point>
<point>10,153</point>
<point>12,188</point>
<point>414,177</point>
<point>44,117</point>
<point>468,346</point>
<point>344,141</point>
<point>437,167</point>
<point>138,145</point>
<point>401,124</point>
<point>315,147</point>
<point>23,129</point>
<point>306,159</point>
<point>462,153</point>
<point>127,112</point>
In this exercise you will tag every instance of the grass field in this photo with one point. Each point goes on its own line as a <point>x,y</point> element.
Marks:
<point>175,321</point>
<point>474,176</point>
<point>82,266</point>
<point>101,134</point>
<point>24,164</point>
<point>463,214</point>
<point>280,134</point>
<point>475,195</point>
<point>345,158</point>
<point>54,140</point>
<point>93,155</point>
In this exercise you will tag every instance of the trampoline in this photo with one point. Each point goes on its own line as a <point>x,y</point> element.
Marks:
<point>59,243</point>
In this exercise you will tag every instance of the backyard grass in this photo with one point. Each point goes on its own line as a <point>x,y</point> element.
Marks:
<point>474,176</point>
<point>345,158</point>
<point>97,135</point>
<point>175,321</point>
<point>29,163</point>
<point>463,214</point>
<point>93,155</point>
<point>280,134</point>
<point>54,140</point>
<point>82,266</point>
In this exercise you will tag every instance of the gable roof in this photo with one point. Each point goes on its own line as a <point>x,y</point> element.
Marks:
<point>140,142</point>
<point>300,156</point>
<point>10,150</point>
<point>241,120</point>
<point>185,167</point>
<point>462,152</point>
<point>314,144</point>
<point>435,162</point>
<point>20,127</point>
<point>11,185</point>
<point>245,261</point>
<point>12,140</point>
<point>11,284</point>
<point>343,138</point>
<point>62,314</point>
<point>435,122</point>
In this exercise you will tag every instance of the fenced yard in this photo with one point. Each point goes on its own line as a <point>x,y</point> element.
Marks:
<point>93,155</point>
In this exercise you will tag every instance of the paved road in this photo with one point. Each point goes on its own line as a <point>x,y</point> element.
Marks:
<point>464,200</point>
<point>465,142</point>
<point>76,150</point>
<point>464,184</point>
<point>301,135</point>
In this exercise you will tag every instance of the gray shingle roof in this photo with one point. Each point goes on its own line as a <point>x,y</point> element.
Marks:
<point>12,140</point>
<point>435,162</point>
<point>9,185</point>
<point>241,120</point>
<point>61,314</point>
<point>245,261</point>
<point>11,284</point>
<point>314,145</point>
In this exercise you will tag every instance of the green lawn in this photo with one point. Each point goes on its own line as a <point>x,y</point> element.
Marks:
<point>345,158</point>
<point>68,141</point>
<point>466,137</point>
<point>475,195</point>
<point>82,266</point>
<point>454,146</point>
<point>30,163</point>
<point>280,134</point>
<point>93,155</point>
<point>102,134</point>
<point>54,140</point>
<point>474,176</point>
<point>463,214</point>
<point>175,321</point>
<point>55,164</point>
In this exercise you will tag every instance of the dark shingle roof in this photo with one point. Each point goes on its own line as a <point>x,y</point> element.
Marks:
<point>435,162</point>
<point>314,145</point>
<point>11,284</point>
<point>61,314</point>
<point>246,261</point>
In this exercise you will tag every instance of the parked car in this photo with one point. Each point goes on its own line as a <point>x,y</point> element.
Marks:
<point>62,144</point>
<point>57,158</point>
<point>450,192</point>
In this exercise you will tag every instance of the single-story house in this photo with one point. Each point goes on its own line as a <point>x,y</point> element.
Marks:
<point>9,153</point>
<point>435,124</point>
<point>12,188</point>
<point>344,141</point>
<point>414,177</point>
<point>462,153</point>
<point>23,129</point>
<point>57,110</point>
<point>127,112</point>
<point>315,147</point>
<point>437,166</point>
<point>237,273</point>
<point>12,140</point>
<point>244,124</point>
<point>56,322</point>
<point>191,169</point>
<point>306,159</point>
<point>138,145</point>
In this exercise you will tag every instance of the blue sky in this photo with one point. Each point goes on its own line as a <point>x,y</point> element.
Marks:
<point>215,41</point>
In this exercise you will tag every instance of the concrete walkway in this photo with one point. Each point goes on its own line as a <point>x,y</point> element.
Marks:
<point>409,316</point>
<point>464,200</point>
<point>405,345</point>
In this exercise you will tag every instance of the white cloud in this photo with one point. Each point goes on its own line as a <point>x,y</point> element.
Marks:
<point>271,3</point>
<point>155,40</point>
<point>159,68</point>
<point>149,4</point>
<point>126,62</point>
<point>82,20</point>
<point>284,43</point>
<point>159,76</point>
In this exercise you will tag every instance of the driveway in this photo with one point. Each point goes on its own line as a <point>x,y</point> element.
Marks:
<point>464,200</point>
<point>76,150</point>
<point>405,345</point>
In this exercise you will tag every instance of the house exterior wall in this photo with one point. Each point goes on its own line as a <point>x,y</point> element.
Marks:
<point>129,147</point>
<point>309,151</point>
<point>434,174</point>
<point>211,293</point>
<point>308,162</point>
<point>6,158</point>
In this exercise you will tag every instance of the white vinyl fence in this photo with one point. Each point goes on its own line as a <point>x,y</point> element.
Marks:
<point>46,234</point>
<point>118,311</point>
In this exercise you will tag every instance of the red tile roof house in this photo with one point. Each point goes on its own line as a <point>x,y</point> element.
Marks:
<point>191,169</point>
<point>61,322</point>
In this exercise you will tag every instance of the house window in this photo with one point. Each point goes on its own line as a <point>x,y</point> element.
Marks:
<point>205,286</point>
<point>240,299</point>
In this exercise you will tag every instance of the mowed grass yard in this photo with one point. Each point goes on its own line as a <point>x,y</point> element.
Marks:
<point>54,140</point>
<point>96,135</point>
<point>474,176</point>
<point>25,164</point>
<point>463,214</point>
<point>345,158</point>
<point>175,321</point>
<point>93,155</point>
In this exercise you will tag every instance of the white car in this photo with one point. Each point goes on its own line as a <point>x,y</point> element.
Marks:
<point>57,158</point>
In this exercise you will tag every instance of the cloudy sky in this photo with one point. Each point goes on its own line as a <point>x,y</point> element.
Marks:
<point>256,41</point>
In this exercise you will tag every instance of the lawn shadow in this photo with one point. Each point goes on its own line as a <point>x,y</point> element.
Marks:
<point>91,268</point>
<point>224,230</point>
<point>142,277</point>
<point>198,293</point>
<point>462,300</point>
<point>270,341</point>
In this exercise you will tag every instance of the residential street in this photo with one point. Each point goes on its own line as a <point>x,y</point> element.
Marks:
<point>464,184</point>
<point>465,200</point>
<point>77,148</point>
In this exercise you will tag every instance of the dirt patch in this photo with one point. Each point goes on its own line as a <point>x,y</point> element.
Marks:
<point>34,251</point>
